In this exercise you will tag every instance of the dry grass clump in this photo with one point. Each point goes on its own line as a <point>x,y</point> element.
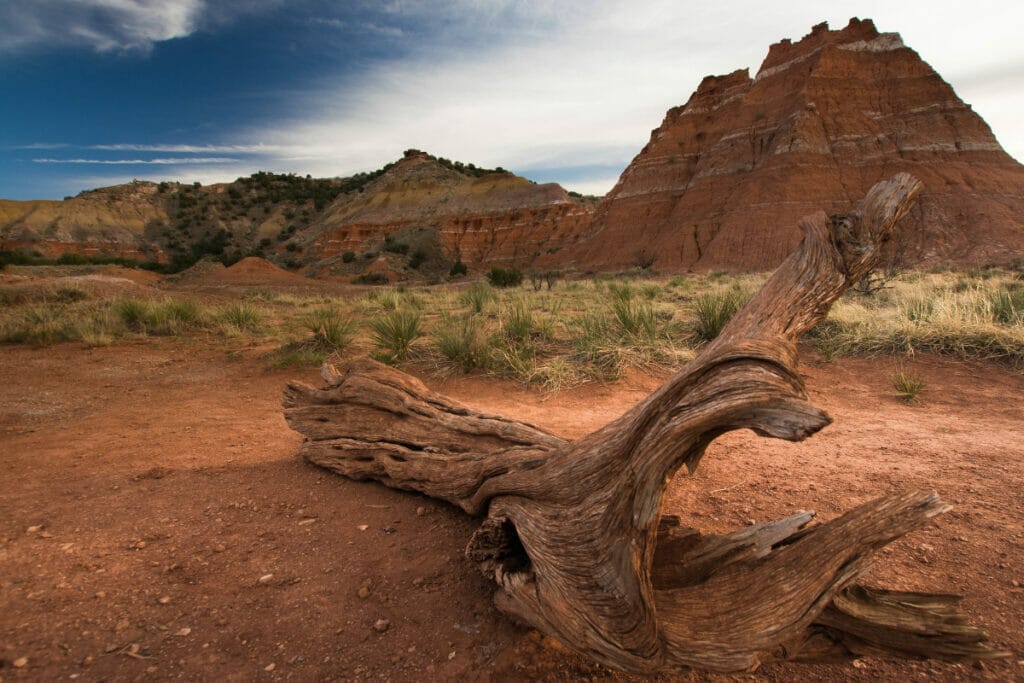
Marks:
<point>942,313</point>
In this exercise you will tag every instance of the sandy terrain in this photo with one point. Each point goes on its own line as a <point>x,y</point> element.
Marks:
<point>156,524</point>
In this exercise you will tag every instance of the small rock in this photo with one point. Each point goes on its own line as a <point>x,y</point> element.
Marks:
<point>307,521</point>
<point>265,579</point>
<point>389,529</point>
<point>925,548</point>
<point>751,522</point>
<point>1015,583</point>
<point>451,655</point>
<point>140,545</point>
<point>88,660</point>
<point>859,663</point>
<point>219,548</point>
<point>20,662</point>
<point>101,594</point>
<point>270,667</point>
<point>165,600</point>
<point>381,625</point>
<point>417,582</point>
<point>46,534</point>
<point>363,527</point>
<point>183,632</point>
<point>420,511</point>
<point>33,529</point>
<point>364,592</point>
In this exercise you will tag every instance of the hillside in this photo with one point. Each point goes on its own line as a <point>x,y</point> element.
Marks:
<point>723,181</point>
<point>412,218</point>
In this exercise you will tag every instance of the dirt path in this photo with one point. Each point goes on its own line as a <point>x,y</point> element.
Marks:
<point>155,523</point>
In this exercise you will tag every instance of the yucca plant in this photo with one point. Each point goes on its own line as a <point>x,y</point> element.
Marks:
<point>332,332</point>
<point>714,310</point>
<point>459,340</point>
<point>395,332</point>
<point>242,316</point>
<point>478,296</point>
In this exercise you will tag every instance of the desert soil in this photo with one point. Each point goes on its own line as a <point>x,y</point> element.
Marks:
<point>155,522</point>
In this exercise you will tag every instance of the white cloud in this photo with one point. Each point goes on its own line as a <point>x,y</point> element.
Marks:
<point>102,25</point>
<point>163,161</point>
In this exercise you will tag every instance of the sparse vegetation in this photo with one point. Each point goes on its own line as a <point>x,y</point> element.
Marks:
<point>589,329</point>
<point>907,384</point>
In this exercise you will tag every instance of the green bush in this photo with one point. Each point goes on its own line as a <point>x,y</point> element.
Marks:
<point>458,269</point>
<point>348,257</point>
<point>371,279</point>
<point>332,333</point>
<point>417,259</point>
<point>504,277</point>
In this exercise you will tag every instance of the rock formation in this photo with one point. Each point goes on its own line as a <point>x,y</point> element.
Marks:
<point>725,178</point>
<point>492,219</point>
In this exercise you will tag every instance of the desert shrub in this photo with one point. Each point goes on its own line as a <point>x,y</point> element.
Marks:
<point>478,296</point>
<point>595,346</point>
<point>637,320</point>
<point>240,317</point>
<point>714,310</point>
<point>458,269</point>
<point>133,313</point>
<point>395,247</point>
<point>331,331</point>
<point>460,341</point>
<point>395,332</point>
<point>371,279</point>
<point>517,322</point>
<point>417,258</point>
<point>504,277</point>
<point>348,257</point>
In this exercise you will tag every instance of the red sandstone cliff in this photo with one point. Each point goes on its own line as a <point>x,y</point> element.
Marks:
<point>725,178</point>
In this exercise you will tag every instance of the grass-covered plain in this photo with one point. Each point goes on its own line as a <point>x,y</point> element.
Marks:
<point>579,330</point>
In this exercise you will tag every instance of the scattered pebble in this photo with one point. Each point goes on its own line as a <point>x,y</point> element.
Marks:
<point>859,663</point>
<point>165,600</point>
<point>420,511</point>
<point>219,548</point>
<point>364,592</point>
<point>417,582</point>
<point>183,632</point>
<point>33,529</point>
<point>20,662</point>
<point>270,667</point>
<point>451,655</point>
<point>363,527</point>
<point>307,521</point>
<point>381,625</point>
<point>101,594</point>
<point>389,529</point>
<point>265,579</point>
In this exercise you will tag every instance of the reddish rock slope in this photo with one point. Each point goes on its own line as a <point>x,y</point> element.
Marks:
<point>494,219</point>
<point>723,181</point>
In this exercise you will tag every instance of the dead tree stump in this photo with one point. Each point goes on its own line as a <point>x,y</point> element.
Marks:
<point>573,533</point>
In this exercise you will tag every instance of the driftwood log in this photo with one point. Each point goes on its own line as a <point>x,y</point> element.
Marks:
<point>573,532</point>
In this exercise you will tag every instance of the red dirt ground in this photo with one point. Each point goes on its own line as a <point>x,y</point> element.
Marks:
<point>155,522</point>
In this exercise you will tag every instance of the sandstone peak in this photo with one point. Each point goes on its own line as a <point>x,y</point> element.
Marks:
<point>724,180</point>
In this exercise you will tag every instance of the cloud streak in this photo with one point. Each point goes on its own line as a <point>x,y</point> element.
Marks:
<point>167,161</point>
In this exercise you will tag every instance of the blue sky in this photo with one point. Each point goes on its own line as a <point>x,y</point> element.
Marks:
<point>98,92</point>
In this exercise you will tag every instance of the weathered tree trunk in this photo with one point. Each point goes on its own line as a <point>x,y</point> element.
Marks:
<point>574,536</point>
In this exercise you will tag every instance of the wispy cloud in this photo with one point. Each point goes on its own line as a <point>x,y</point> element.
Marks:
<point>102,25</point>
<point>113,25</point>
<point>167,161</point>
